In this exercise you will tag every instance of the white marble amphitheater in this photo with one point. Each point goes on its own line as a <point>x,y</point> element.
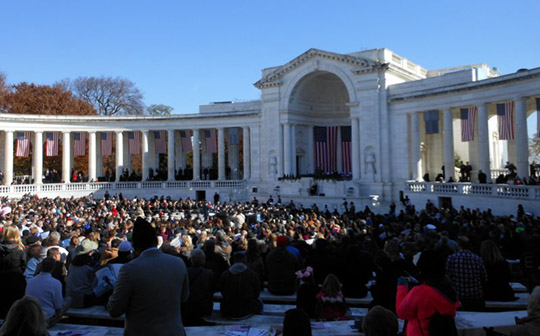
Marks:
<point>364,126</point>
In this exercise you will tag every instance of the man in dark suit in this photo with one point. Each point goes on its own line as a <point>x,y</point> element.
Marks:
<point>151,288</point>
<point>482,177</point>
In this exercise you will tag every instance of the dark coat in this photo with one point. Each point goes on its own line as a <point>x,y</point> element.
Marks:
<point>13,258</point>
<point>497,286</point>
<point>281,266</point>
<point>202,285</point>
<point>240,289</point>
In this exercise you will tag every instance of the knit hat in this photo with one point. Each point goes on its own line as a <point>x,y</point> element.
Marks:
<point>144,235</point>
<point>281,240</point>
<point>125,246</point>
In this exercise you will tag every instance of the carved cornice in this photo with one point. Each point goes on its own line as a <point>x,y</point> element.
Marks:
<point>272,79</point>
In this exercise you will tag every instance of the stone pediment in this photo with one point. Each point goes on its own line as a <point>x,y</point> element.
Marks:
<point>273,78</point>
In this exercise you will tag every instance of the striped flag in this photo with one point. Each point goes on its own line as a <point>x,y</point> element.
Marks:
<point>468,117</point>
<point>538,117</point>
<point>79,144</point>
<point>51,143</point>
<point>134,142</point>
<point>185,137</point>
<point>325,148</point>
<point>23,144</point>
<point>106,143</point>
<point>505,119</point>
<point>160,142</point>
<point>346,161</point>
<point>211,141</point>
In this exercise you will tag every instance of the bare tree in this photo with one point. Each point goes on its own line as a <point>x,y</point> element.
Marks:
<point>159,110</point>
<point>109,96</point>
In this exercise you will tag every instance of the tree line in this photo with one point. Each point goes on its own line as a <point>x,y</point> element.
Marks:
<point>105,96</point>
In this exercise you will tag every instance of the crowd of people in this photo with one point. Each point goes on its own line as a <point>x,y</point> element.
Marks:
<point>434,258</point>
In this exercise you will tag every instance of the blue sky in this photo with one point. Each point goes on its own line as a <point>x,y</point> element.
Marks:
<point>187,53</point>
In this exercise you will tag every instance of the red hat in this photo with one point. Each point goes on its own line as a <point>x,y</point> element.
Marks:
<point>282,240</point>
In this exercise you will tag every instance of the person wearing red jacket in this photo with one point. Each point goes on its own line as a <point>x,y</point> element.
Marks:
<point>434,294</point>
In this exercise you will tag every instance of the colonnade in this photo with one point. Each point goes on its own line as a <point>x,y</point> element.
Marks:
<point>94,153</point>
<point>480,146</point>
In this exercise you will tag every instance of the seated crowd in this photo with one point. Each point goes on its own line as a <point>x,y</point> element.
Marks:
<point>69,252</point>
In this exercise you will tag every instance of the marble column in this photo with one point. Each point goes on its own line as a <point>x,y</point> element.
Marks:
<point>196,155</point>
<point>221,154</point>
<point>286,149</point>
<point>483,141</point>
<point>448,133</point>
<point>355,149</point>
<point>522,138</point>
<point>415,143</point>
<point>92,156</point>
<point>145,157</point>
<point>293,149</point>
<point>8,158</point>
<point>99,156</point>
<point>66,157</point>
<point>310,150</point>
<point>280,154</point>
<point>247,163</point>
<point>119,154</point>
<point>170,155</point>
<point>38,157</point>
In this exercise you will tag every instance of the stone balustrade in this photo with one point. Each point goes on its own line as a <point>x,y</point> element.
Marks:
<point>484,190</point>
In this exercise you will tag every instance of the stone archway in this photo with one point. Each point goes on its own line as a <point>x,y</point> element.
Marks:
<point>319,104</point>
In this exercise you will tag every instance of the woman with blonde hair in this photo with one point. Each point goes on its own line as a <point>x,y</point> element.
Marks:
<point>15,259</point>
<point>26,317</point>
<point>331,305</point>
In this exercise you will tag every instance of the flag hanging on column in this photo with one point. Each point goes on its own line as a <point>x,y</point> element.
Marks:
<point>325,148</point>
<point>538,117</point>
<point>346,162</point>
<point>134,142</point>
<point>160,142</point>
<point>23,144</point>
<point>106,143</point>
<point>211,141</point>
<point>185,137</point>
<point>468,117</point>
<point>79,144</point>
<point>431,120</point>
<point>505,119</point>
<point>51,144</point>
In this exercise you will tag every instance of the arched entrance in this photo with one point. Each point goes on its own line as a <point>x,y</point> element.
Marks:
<point>318,118</point>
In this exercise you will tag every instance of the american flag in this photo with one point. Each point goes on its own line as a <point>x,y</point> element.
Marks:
<point>346,162</point>
<point>325,148</point>
<point>106,143</point>
<point>160,142</point>
<point>23,144</point>
<point>185,137</point>
<point>134,142</point>
<point>505,119</point>
<point>468,117</point>
<point>79,144</point>
<point>538,117</point>
<point>211,141</point>
<point>51,143</point>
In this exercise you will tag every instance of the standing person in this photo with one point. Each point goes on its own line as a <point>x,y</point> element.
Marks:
<point>468,274</point>
<point>202,285</point>
<point>433,295</point>
<point>12,248</point>
<point>151,288</point>
<point>281,267</point>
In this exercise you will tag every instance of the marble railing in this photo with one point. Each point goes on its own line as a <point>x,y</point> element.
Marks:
<point>490,190</point>
<point>59,187</point>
